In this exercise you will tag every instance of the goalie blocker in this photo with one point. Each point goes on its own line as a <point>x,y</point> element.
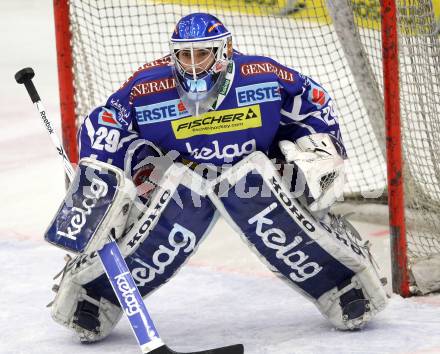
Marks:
<point>97,203</point>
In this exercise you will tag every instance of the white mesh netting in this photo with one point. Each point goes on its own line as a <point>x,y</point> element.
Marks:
<point>111,39</point>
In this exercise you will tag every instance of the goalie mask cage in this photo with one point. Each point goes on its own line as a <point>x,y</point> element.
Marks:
<point>346,45</point>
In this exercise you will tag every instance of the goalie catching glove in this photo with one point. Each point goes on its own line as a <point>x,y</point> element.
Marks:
<point>321,165</point>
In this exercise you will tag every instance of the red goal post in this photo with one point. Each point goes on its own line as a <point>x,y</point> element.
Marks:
<point>63,39</point>
<point>355,48</point>
<point>396,204</point>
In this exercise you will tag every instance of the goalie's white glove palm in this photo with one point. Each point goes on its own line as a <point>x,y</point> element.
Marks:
<point>323,168</point>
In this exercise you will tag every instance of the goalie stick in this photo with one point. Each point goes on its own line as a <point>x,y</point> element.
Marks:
<point>113,262</point>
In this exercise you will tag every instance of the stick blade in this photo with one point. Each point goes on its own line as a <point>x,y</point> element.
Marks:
<point>231,349</point>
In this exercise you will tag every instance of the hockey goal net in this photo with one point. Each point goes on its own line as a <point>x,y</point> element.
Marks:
<point>336,42</point>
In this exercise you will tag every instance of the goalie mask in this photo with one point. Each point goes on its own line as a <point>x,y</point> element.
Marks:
<point>201,48</point>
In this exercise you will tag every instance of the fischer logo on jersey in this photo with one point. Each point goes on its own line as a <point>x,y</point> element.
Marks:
<point>218,122</point>
<point>160,112</point>
<point>266,68</point>
<point>265,92</point>
<point>98,189</point>
<point>179,238</point>
<point>285,246</point>
<point>227,152</point>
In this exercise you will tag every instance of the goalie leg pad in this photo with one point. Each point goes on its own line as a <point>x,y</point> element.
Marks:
<point>321,264</point>
<point>166,234</point>
<point>91,317</point>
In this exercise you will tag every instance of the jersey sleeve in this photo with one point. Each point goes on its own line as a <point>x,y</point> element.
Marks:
<point>307,109</point>
<point>108,131</point>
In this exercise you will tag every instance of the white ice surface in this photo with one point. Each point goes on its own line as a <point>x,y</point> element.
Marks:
<point>223,296</point>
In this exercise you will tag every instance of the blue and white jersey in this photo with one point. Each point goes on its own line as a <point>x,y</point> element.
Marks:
<point>261,102</point>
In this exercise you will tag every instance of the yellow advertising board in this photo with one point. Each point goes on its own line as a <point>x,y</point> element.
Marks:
<point>367,12</point>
